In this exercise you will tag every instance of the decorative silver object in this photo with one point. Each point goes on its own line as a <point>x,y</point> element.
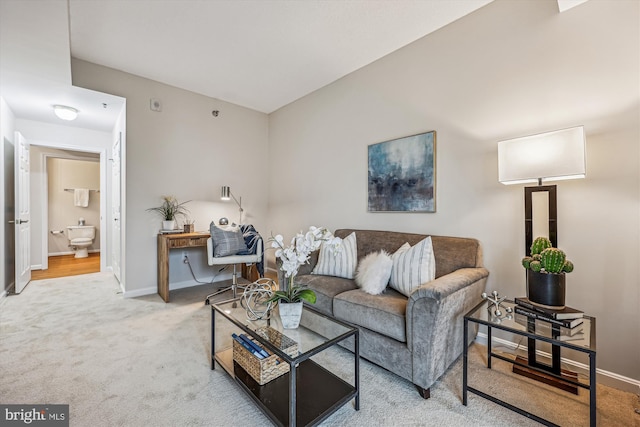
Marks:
<point>255,299</point>
<point>496,301</point>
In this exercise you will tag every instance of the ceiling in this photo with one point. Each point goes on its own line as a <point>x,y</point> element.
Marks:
<point>260,54</point>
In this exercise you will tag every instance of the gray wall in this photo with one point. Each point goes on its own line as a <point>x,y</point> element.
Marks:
<point>186,152</point>
<point>510,69</point>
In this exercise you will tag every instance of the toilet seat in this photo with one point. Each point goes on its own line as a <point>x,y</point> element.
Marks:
<point>81,240</point>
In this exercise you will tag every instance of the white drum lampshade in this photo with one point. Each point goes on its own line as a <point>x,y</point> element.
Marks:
<point>547,156</point>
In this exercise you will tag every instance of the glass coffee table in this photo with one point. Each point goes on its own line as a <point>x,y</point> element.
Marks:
<point>308,393</point>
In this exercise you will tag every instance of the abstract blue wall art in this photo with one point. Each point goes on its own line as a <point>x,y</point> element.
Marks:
<point>402,174</point>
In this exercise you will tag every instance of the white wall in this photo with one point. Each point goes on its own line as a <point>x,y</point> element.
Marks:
<point>186,152</point>
<point>7,122</point>
<point>509,69</point>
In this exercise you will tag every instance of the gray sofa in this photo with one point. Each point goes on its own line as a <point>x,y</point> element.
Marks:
<point>419,337</point>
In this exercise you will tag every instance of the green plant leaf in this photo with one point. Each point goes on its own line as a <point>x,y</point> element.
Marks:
<point>307,295</point>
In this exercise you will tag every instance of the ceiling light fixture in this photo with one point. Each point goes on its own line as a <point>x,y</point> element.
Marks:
<point>65,113</point>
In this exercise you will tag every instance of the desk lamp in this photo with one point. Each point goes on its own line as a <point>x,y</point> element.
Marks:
<point>226,194</point>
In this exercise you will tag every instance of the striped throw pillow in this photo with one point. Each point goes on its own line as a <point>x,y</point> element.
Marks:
<point>341,264</point>
<point>412,266</point>
<point>227,240</point>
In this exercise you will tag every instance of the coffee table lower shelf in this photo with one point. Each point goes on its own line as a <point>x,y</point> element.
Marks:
<point>319,393</point>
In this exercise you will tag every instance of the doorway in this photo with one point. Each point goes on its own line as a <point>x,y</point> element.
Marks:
<point>64,172</point>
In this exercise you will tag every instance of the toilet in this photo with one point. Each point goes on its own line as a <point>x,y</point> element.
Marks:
<point>80,238</point>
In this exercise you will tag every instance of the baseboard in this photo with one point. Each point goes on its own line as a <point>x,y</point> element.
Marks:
<point>172,287</point>
<point>272,270</point>
<point>91,251</point>
<point>3,296</point>
<point>607,378</point>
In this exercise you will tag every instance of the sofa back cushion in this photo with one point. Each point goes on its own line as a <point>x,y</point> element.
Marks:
<point>452,253</point>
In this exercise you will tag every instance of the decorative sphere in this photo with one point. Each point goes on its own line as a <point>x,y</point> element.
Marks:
<point>255,299</point>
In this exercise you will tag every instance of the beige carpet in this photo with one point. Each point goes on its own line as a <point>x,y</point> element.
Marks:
<point>141,362</point>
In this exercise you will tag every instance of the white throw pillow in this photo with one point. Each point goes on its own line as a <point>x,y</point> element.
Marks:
<point>340,264</point>
<point>413,266</point>
<point>373,272</point>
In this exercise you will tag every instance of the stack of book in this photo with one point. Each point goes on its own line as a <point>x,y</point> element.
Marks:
<point>567,321</point>
<point>251,346</point>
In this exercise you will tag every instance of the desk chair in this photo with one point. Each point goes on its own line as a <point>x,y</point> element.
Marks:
<point>235,260</point>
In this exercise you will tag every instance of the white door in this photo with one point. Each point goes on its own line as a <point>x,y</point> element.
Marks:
<point>116,252</point>
<point>23,226</point>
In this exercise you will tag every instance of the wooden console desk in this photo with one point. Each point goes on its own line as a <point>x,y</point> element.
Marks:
<point>166,242</point>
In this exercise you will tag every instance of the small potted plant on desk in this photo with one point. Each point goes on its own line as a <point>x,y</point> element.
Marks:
<point>169,210</point>
<point>546,269</point>
<point>290,297</point>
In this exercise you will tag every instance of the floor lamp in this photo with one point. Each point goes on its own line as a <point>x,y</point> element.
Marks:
<point>547,156</point>
<point>550,156</point>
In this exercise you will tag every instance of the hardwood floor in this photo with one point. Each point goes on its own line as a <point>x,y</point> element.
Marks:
<point>67,265</point>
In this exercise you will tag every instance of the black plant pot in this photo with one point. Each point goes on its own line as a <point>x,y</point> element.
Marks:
<point>546,289</point>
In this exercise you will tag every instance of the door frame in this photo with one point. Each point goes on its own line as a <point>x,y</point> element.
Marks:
<point>8,216</point>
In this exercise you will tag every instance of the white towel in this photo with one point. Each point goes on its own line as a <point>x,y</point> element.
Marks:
<point>81,197</point>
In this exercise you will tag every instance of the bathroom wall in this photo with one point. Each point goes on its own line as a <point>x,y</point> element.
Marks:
<point>70,174</point>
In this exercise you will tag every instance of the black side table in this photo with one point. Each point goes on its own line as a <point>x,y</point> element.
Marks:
<point>482,314</point>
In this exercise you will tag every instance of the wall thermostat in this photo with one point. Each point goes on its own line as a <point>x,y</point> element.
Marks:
<point>156,105</point>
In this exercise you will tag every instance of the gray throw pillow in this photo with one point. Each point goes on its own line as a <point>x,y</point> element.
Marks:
<point>227,240</point>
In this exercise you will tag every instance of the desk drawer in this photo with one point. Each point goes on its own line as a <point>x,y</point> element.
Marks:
<point>188,242</point>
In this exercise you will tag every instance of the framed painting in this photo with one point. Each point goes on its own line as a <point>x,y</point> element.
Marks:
<point>402,174</point>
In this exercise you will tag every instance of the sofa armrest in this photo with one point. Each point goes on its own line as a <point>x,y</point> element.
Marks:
<point>446,285</point>
<point>435,313</point>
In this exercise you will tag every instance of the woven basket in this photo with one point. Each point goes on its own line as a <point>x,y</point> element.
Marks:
<point>269,368</point>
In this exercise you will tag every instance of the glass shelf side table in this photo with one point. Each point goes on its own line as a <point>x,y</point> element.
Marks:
<point>534,331</point>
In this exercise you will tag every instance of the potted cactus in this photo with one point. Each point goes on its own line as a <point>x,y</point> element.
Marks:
<point>546,269</point>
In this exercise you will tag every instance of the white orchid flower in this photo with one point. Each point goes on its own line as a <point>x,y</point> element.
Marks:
<point>298,252</point>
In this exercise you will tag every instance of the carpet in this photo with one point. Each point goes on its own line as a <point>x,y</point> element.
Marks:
<point>141,362</point>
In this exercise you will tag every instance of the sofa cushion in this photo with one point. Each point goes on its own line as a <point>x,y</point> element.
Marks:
<point>451,253</point>
<point>374,270</point>
<point>338,264</point>
<point>326,288</point>
<point>412,267</point>
<point>384,313</point>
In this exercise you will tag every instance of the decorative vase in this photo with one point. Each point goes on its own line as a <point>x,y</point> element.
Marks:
<point>546,289</point>
<point>290,314</point>
<point>169,225</point>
